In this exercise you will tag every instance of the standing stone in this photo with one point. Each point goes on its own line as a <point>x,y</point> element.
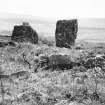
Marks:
<point>24,33</point>
<point>66,33</point>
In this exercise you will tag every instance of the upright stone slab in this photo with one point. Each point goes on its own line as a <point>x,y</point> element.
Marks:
<point>66,33</point>
<point>24,33</point>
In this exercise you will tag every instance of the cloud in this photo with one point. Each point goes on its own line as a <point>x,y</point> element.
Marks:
<point>55,8</point>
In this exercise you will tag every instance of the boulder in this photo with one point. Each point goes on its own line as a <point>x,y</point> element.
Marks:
<point>66,33</point>
<point>57,61</point>
<point>61,61</point>
<point>24,33</point>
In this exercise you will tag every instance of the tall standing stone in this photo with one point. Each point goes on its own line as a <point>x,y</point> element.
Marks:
<point>66,33</point>
<point>24,33</point>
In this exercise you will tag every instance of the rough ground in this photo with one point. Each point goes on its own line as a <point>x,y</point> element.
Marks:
<point>23,82</point>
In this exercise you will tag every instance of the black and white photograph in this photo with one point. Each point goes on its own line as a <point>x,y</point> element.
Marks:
<point>52,52</point>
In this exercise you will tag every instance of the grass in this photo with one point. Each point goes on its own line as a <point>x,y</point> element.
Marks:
<point>75,86</point>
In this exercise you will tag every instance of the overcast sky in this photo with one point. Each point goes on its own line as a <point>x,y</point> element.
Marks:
<point>55,8</point>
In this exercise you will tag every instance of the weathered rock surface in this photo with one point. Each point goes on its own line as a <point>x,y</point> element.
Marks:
<point>66,33</point>
<point>58,61</point>
<point>24,33</point>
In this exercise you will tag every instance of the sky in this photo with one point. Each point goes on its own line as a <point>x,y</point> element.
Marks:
<point>55,9</point>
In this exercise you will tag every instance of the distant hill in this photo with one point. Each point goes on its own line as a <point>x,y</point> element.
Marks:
<point>89,29</point>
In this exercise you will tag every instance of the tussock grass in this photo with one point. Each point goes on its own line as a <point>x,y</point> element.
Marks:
<point>75,86</point>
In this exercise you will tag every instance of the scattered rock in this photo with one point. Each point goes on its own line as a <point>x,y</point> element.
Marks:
<point>20,75</point>
<point>11,43</point>
<point>4,44</point>
<point>93,62</point>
